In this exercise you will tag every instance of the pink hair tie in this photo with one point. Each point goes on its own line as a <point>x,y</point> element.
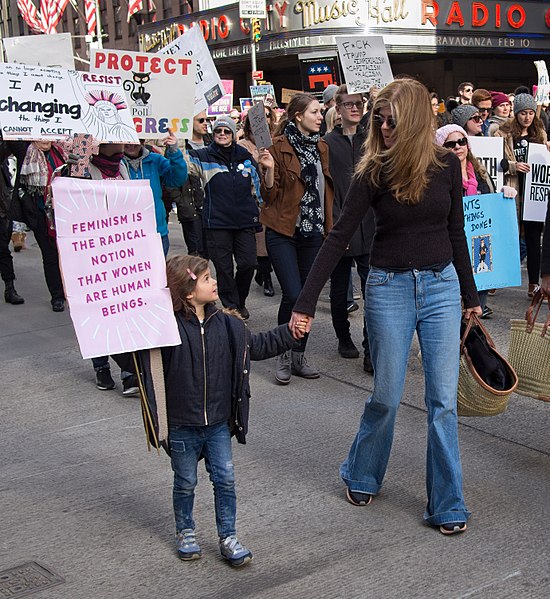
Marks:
<point>192,274</point>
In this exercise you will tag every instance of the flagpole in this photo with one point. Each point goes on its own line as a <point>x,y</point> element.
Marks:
<point>98,25</point>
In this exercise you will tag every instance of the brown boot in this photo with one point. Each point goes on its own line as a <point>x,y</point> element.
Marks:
<point>18,240</point>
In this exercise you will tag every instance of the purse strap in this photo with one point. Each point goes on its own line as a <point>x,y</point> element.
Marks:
<point>474,320</point>
<point>533,311</point>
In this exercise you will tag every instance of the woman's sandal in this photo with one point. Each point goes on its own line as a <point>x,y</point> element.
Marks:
<point>358,499</point>
<point>451,528</point>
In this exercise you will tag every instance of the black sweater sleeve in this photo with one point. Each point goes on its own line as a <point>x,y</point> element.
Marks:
<point>271,343</point>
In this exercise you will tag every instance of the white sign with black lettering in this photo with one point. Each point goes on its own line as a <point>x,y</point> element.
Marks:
<point>537,183</point>
<point>365,62</point>
<point>490,152</point>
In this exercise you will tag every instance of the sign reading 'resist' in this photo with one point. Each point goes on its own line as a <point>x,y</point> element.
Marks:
<point>160,89</point>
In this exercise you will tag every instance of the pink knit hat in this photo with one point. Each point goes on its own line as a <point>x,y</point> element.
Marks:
<point>443,132</point>
<point>499,98</point>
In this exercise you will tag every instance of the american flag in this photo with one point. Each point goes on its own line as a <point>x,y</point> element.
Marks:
<point>136,7</point>
<point>47,19</point>
<point>91,21</point>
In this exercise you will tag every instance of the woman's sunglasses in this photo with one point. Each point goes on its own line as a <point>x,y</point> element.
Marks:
<point>380,120</point>
<point>476,118</point>
<point>222,131</point>
<point>450,145</point>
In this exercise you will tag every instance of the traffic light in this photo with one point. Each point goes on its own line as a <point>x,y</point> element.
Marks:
<point>256,30</point>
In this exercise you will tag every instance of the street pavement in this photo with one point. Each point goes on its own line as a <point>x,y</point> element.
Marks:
<point>80,494</point>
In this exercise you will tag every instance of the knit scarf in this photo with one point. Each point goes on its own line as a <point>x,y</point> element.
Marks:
<point>470,184</point>
<point>37,168</point>
<point>109,166</point>
<point>307,151</point>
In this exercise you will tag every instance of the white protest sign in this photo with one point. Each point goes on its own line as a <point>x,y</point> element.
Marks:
<point>259,126</point>
<point>160,89</point>
<point>113,266</point>
<point>208,85</point>
<point>365,62</point>
<point>543,84</point>
<point>46,103</point>
<point>252,9</point>
<point>537,183</point>
<point>263,93</point>
<point>490,152</point>
<point>41,50</point>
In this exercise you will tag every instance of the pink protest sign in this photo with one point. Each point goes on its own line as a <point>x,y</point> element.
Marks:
<point>113,266</point>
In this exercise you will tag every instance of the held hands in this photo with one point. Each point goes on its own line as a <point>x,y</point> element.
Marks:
<point>475,310</point>
<point>300,324</point>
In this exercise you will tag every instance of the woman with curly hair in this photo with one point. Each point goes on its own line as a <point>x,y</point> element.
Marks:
<point>419,273</point>
<point>526,127</point>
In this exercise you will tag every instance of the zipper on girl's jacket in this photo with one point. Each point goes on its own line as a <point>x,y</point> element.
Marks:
<point>204,372</point>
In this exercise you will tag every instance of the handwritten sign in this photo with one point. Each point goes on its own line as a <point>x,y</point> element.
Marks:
<point>537,184</point>
<point>259,126</point>
<point>225,103</point>
<point>491,227</point>
<point>41,50</point>
<point>146,79</point>
<point>208,85</point>
<point>46,103</point>
<point>113,266</point>
<point>543,84</point>
<point>490,152</point>
<point>365,62</point>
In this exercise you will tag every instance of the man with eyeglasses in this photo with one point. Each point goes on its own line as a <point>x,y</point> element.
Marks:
<point>200,131</point>
<point>483,101</point>
<point>465,91</point>
<point>345,145</point>
<point>230,215</point>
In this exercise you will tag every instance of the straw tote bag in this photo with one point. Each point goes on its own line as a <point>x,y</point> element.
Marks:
<point>486,379</point>
<point>530,350</point>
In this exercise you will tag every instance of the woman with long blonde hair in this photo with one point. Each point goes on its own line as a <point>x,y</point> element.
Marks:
<point>419,272</point>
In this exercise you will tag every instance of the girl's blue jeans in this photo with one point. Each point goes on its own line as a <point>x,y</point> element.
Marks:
<point>397,305</point>
<point>187,445</point>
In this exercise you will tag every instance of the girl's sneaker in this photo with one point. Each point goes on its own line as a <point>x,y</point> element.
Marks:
<point>187,545</point>
<point>234,552</point>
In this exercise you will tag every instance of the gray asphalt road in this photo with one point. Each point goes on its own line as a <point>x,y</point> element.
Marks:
<point>80,494</point>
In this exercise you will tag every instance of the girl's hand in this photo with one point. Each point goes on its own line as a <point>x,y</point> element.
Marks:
<point>522,167</point>
<point>509,192</point>
<point>266,159</point>
<point>300,324</point>
<point>475,310</point>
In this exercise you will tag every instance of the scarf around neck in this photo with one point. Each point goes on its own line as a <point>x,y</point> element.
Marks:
<point>470,184</point>
<point>109,166</point>
<point>307,151</point>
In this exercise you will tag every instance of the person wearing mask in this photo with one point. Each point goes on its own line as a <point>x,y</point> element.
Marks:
<point>169,171</point>
<point>420,271</point>
<point>501,112</point>
<point>345,144</point>
<point>518,132</point>
<point>467,117</point>
<point>482,99</point>
<point>298,193</point>
<point>465,91</point>
<point>230,215</point>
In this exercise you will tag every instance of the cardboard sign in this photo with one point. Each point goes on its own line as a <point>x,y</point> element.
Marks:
<point>113,266</point>
<point>491,227</point>
<point>160,89</point>
<point>490,152</point>
<point>259,126</point>
<point>287,94</point>
<point>208,85</point>
<point>537,184</point>
<point>364,62</point>
<point>318,70</point>
<point>41,50</point>
<point>225,104</point>
<point>45,103</point>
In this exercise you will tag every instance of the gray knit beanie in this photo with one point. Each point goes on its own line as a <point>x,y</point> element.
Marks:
<point>225,121</point>
<point>524,102</point>
<point>463,113</point>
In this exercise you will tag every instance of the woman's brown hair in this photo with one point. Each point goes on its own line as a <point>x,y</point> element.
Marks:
<point>535,132</point>
<point>182,273</point>
<point>406,167</point>
<point>297,105</point>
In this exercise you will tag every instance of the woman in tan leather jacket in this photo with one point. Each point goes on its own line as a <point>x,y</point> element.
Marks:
<point>297,213</point>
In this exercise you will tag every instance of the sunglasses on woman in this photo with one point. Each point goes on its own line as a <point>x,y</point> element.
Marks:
<point>379,120</point>
<point>222,131</point>
<point>476,118</point>
<point>450,145</point>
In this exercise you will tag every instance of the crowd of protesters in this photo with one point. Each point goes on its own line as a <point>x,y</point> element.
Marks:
<point>362,180</point>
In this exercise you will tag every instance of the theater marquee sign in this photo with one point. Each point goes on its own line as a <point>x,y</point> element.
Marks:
<point>426,26</point>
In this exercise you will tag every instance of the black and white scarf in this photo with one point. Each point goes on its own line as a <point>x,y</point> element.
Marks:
<point>307,151</point>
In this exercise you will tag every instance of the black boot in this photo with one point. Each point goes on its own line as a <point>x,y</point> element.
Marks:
<point>11,296</point>
<point>268,285</point>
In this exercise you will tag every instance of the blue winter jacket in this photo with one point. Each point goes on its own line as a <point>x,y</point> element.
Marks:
<point>231,187</point>
<point>169,172</point>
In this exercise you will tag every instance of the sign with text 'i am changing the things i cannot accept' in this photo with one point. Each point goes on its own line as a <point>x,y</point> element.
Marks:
<point>113,266</point>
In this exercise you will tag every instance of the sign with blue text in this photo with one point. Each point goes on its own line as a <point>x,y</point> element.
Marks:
<point>491,227</point>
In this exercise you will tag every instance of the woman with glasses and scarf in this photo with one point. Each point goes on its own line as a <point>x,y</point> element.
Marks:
<point>298,192</point>
<point>420,272</point>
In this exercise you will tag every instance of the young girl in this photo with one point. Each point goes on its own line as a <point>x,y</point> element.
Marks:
<point>207,391</point>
